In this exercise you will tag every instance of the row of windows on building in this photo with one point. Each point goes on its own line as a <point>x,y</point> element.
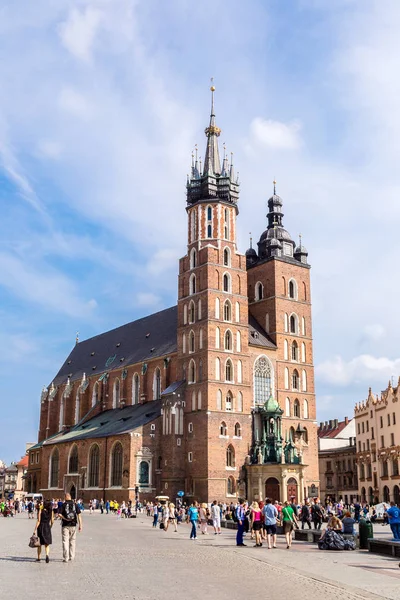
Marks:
<point>93,472</point>
<point>209,223</point>
<point>291,324</point>
<point>294,352</point>
<point>295,380</point>
<point>292,291</point>
<point>116,395</point>
<point>189,311</point>
<point>363,427</point>
<point>341,465</point>
<point>365,470</point>
<point>226,258</point>
<point>228,343</point>
<point>365,446</point>
<point>226,283</point>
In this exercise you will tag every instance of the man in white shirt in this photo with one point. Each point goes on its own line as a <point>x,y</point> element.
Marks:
<point>216,517</point>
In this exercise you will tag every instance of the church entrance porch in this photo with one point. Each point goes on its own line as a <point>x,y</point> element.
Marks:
<point>277,481</point>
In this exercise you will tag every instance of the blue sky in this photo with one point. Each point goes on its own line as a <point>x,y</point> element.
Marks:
<point>101,104</point>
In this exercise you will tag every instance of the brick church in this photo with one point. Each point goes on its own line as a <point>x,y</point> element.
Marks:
<point>213,397</point>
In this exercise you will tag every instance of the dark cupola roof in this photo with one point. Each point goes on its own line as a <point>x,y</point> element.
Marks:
<point>251,254</point>
<point>275,240</point>
<point>210,181</point>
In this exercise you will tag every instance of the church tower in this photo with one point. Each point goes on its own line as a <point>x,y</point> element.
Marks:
<point>279,299</point>
<point>213,330</point>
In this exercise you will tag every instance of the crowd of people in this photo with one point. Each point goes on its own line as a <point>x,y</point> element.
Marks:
<point>259,519</point>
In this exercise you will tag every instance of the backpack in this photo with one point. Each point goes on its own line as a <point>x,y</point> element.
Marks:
<point>234,515</point>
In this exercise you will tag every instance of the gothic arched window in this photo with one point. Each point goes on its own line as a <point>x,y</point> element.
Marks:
<point>54,468</point>
<point>292,289</point>
<point>222,429</point>
<point>228,401</point>
<point>116,393</point>
<point>228,340</point>
<point>262,380</point>
<point>191,312</point>
<point>293,324</point>
<point>135,389</point>
<point>238,430</point>
<point>73,460</point>
<point>229,370</point>
<point>157,384</point>
<point>192,372</point>
<point>296,408</point>
<point>191,342</point>
<point>295,380</point>
<point>193,258</point>
<point>295,351</point>
<point>94,466</point>
<point>259,290</point>
<point>227,257</point>
<point>192,284</point>
<point>227,282</point>
<point>95,394</point>
<point>230,456</point>
<point>144,478</point>
<point>227,311</point>
<point>305,409</point>
<point>116,465</point>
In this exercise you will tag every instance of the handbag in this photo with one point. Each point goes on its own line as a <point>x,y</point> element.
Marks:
<point>34,541</point>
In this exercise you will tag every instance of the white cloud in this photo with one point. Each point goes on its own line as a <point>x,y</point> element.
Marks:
<point>275,134</point>
<point>147,299</point>
<point>374,332</point>
<point>79,31</point>
<point>75,103</point>
<point>362,369</point>
<point>49,149</point>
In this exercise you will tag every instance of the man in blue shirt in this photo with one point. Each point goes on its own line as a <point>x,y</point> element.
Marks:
<point>394,520</point>
<point>193,517</point>
<point>270,513</point>
<point>240,517</point>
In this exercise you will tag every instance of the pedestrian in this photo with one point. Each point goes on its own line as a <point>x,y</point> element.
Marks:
<point>101,506</point>
<point>288,518</point>
<point>255,520</point>
<point>348,523</point>
<point>107,506</point>
<point>43,529</point>
<point>193,518</point>
<point>394,520</point>
<point>30,509</point>
<point>270,516</point>
<point>240,517</point>
<point>172,516</point>
<point>166,517</point>
<point>216,517</point>
<point>203,514</point>
<point>70,516</point>
<point>317,514</point>
<point>357,510</point>
<point>305,516</point>
<point>295,510</point>
<point>155,515</point>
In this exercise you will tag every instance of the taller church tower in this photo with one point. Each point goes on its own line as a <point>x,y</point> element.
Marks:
<point>213,330</point>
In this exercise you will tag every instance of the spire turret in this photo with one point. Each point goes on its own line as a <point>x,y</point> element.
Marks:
<point>211,181</point>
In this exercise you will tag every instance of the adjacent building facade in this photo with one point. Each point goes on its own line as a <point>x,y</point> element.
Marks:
<point>213,397</point>
<point>337,461</point>
<point>378,446</point>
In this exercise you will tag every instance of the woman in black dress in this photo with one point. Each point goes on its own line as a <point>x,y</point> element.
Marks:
<point>43,528</point>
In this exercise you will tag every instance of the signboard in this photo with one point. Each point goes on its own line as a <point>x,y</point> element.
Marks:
<point>313,491</point>
<point>180,494</point>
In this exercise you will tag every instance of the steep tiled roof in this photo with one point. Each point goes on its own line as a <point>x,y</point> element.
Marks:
<point>150,337</point>
<point>331,432</point>
<point>111,422</point>
<point>144,339</point>
<point>23,462</point>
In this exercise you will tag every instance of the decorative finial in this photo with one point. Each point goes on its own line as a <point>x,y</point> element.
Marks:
<point>212,88</point>
<point>274,182</point>
<point>251,240</point>
<point>77,338</point>
<point>299,240</point>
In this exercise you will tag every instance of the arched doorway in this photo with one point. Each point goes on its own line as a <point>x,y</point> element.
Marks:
<point>386,494</point>
<point>272,489</point>
<point>363,498</point>
<point>396,494</point>
<point>73,492</point>
<point>292,489</point>
<point>370,495</point>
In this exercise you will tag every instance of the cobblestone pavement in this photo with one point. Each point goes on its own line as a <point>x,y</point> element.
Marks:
<point>128,559</point>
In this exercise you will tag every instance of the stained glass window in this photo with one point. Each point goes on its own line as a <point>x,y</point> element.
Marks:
<point>262,380</point>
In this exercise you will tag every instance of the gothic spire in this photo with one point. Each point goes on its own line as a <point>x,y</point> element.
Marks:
<point>212,165</point>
